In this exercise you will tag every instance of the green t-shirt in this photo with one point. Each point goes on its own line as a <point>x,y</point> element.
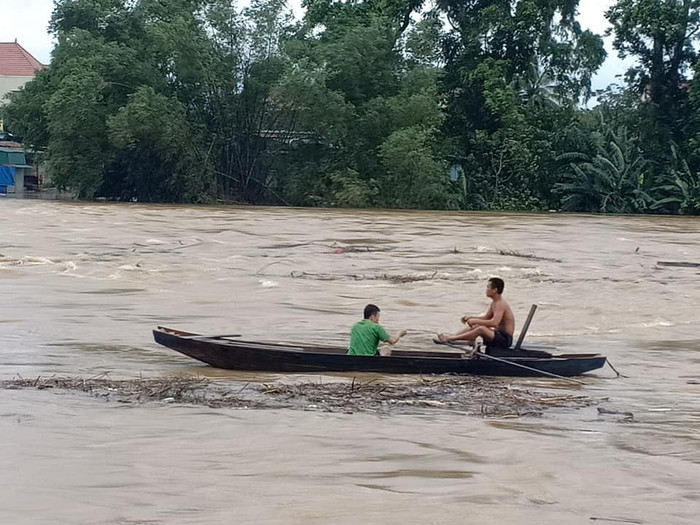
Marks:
<point>365,336</point>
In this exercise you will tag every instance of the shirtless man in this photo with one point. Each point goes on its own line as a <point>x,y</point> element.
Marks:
<point>495,327</point>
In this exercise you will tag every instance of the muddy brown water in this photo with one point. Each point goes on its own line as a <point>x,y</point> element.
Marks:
<point>82,285</point>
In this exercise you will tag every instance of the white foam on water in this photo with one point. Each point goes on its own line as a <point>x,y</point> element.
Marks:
<point>69,266</point>
<point>265,283</point>
<point>129,267</point>
<point>654,324</point>
<point>588,330</point>
<point>28,260</point>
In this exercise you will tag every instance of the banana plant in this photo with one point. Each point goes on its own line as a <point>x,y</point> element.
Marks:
<point>611,181</point>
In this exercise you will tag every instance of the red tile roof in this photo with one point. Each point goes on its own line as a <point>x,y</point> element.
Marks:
<point>15,61</point>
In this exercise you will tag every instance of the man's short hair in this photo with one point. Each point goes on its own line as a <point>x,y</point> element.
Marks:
<point>370,310</point>
<point>498,284</point>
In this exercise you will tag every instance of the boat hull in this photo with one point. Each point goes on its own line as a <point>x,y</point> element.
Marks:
<point>272,357</point>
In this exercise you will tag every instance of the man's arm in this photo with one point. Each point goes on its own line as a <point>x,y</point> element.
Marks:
<point>494,321</point>
<point>470,319</point>
<point>385,337</point>
<point>395,338</point>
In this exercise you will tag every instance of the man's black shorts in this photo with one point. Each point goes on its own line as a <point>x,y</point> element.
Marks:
<point>500,340</point>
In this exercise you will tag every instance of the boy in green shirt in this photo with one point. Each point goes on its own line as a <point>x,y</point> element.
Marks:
<point>366,334</point>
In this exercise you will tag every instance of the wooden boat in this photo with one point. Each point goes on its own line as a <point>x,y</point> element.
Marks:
<point>229,352</point>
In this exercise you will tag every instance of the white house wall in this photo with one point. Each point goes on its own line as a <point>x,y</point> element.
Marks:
<point>8,84</point>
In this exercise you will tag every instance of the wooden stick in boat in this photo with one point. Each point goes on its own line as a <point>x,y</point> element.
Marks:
<point>525,326</point>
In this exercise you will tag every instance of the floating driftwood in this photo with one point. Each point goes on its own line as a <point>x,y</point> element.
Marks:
<point>510,253</point>
<point>335,247</point>
<point>471,395</point>
<point>679,264</point>
<point>392,278</point>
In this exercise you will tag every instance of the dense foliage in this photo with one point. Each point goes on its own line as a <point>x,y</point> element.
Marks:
<point>449,104</point>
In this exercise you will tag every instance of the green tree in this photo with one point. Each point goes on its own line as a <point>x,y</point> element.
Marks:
<point>245,112</point>
<point>373,110</point>
<point>155,151</point>
<point>611,181</point>
<point>662,36</point>
<point>363,103</point>
<point>76,116</point>
<point>25,112</point>
<point>511,67</point>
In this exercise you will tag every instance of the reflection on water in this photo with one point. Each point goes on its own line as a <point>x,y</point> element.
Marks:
<point>84,284</point>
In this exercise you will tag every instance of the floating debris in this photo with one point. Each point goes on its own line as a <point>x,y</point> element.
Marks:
<point>609,411</point>
<point>177,389</point>
<point>510,253</point>
<point>392,278</point>
<point>679,264</point>
<point>473,395</point>
<point>486,397</point>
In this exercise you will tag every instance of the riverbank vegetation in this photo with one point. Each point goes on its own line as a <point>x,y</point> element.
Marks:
<point>445,104</point>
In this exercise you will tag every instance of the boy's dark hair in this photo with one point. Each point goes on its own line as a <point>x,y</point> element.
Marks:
<point>497,283</point>
<point>370,310</point>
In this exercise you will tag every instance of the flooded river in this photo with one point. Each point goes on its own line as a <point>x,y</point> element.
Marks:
<point>83,285</point>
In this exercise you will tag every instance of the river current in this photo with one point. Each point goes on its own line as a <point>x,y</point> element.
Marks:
<point>82,286</point>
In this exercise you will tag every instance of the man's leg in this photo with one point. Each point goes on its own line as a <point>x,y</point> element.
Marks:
<point>465,335</point>
<point>488,334</point>
<point>468,335</point>
<point>465,330</point>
